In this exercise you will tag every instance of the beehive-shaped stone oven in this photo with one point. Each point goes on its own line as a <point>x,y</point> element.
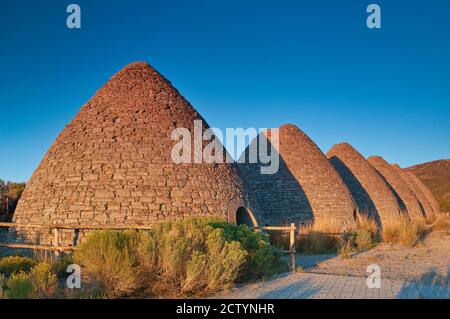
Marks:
<point>423,201</point>
<point>306,187</point>
<point>112,164</point>
<point>426,192</point>
<point>369,190</point>
<point>407,199</point>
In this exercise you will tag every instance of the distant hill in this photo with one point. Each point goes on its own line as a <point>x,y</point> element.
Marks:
<point>436,175</point>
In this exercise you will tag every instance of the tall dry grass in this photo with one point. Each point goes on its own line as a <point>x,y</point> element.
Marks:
<point>346,249</point>
<point>325,236</point>
<point>404,231</point>
<point>319,237</point>
<point>441,222</point>
<point>363,237</point>
<point>364,222</point>
<point>367,234</point>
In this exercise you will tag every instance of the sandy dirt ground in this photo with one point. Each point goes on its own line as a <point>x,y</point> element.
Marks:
<point>427,263</point>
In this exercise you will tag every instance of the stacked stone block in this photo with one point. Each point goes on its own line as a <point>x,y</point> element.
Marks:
<point>404,194</point>
<point>112,164</point>
<point>425,205</point>
<point>369,190</point>
<point>305,188</point>
<point>426,192</point>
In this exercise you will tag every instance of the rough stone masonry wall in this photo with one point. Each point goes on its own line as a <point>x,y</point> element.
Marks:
<point>274,199</point>
<point>428,194</point>
<point>306,186</point>
<point>405,194</point>
<point>424,203</point>
<point>371,193</point>
<point>112,164</point>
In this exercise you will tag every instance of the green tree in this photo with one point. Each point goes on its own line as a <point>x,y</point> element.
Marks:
<point>10,193</point>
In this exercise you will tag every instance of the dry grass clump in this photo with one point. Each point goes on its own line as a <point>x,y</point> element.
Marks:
<point>364,237</point>
<point>441,222</point>
<point>365,222</point>
<point>366,233</point>
<point>319,237</point>
<point>346,248</point>
<point>363,240</point>
<point>325,236</point>
<point>404,231</point>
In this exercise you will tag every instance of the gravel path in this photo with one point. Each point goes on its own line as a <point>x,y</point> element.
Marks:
<point>406,273</point>
<point>428,263</point>
<point>320,286</point>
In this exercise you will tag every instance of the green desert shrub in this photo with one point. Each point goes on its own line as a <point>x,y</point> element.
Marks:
<point>14,264</point>
<point>214,269</point>
<point>346,248</point>
<point>224,260</point>
<point>194,256</point>
<point>59,265</point>
<point>44,281</point>
<point>364,237</point>
<point>19,286</point>
<point>175,243</point>
<point>92,293</point>
<point>39,282</point>
<point>359,240</point>
<point>109,262</point>
<point>262,260</point>
<point>364,240</point>
<point>2,286</point>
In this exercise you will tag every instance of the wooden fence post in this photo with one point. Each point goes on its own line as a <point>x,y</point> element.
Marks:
<point>76,234</point>
<point>292,247</point>
<point>56,240</point>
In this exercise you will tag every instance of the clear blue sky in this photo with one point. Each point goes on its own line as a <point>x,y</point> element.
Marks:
<point>241,64</point>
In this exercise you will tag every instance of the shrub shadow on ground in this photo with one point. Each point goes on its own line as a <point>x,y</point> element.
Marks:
<point>310,261</point>
<point>431,285</point>
<point>302,289</point>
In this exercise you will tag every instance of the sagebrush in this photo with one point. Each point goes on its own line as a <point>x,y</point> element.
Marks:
<point>195,256</point>
<point>109,262</point>
<point>44,281</point>
<point>19,286</point>
<point>13,264</point>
